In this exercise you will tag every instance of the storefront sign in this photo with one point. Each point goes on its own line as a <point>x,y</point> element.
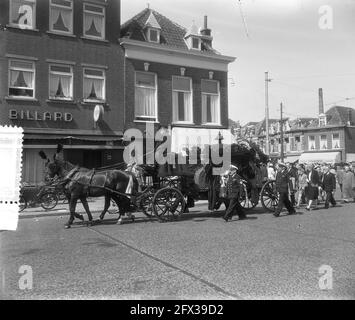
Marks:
<point>39,116</point>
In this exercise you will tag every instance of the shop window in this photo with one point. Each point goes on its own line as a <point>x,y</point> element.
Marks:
<point>60,82</point>
<point>21,78</point>
<point>94,21</point>
<point>182,99</point>
<point>94,85</point>
<point>23,14</point>
<point>211,102</point>
<point>61,16</point>
<point>146,96</point>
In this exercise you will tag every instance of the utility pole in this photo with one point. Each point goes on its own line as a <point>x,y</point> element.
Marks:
<point>281,133</point>
<point>267,80</point>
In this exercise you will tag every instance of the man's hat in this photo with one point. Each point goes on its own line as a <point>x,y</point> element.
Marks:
<point>281,164</point>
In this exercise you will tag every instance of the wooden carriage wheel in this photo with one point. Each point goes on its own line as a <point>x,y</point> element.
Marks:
<point>269,196</point>
<point>168,203</point>
<point>244,197</point>
<point>145,202</point>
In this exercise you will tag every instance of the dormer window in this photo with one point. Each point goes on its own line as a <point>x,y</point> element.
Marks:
<point>152,29</point>
<point>196,43</point>
<point>153,35</point>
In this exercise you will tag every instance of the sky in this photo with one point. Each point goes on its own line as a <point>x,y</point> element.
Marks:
<point>282,37</point>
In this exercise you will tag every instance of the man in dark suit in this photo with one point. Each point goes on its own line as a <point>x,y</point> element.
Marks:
<point>233,192</point>
<point>329,186</point>
<point>282,187</point>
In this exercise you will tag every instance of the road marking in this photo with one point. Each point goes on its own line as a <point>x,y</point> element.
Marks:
<point>167,264</point>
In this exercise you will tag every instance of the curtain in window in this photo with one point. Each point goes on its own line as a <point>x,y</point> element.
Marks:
<point>93,25</point>
<point>145,102</point>
<point>61,19</point>
<point>60,86</point>
<point>210,109</point>
<point>22,12</point>
<point>182,106</point>
<point>93,89</point>
<point>175,107</point>
<point>21,79</point>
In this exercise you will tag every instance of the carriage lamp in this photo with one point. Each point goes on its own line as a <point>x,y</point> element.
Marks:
<point>219,137</point>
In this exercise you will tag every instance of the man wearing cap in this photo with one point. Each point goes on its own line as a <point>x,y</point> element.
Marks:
<point>282,187</point>
<point>233,192</point>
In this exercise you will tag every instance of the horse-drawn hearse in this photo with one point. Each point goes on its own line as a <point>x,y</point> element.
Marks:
<point>161,191</point>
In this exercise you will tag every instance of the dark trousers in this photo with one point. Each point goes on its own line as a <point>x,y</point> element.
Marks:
<point>234,205</point>
<point>293,199</point>
<point>284,201</point>
<point>329,198</point>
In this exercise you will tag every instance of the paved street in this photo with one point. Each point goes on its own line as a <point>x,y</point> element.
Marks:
<point>198,257</point>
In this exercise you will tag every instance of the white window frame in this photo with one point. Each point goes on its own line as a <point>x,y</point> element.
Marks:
<point>53,5</point>
<point>23,70</point>
<point>309,143</point>
<point>34,16</point>
<point>335,140</point>
<point>149,35</point>
<point>149,119</point>
<point>192,43</point>
<point>50,72</point>
<point>191,100</point>
<point>219,102</point>
<point>103,77</point>
<point>103,37</point>
<point>321,141</point>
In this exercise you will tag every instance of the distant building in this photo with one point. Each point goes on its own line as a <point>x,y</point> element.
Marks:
<point>328,138</point>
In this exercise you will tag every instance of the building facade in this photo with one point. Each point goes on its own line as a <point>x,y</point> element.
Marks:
<point>175,79</point>
<point>62,79</point>
<point>328,138</point>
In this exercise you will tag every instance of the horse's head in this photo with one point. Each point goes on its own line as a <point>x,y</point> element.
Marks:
<point>53,168</point>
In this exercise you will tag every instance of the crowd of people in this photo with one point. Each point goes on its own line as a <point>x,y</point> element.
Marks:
<point>309,185</point>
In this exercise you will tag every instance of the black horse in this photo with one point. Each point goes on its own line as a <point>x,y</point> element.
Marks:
<point>80,183</point>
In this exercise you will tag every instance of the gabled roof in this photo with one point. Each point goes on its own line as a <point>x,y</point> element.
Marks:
<point>338,115</point>
<point>172,34</point>
<point>152,22</point>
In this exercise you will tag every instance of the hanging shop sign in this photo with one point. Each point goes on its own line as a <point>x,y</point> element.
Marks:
<point>39,116</point>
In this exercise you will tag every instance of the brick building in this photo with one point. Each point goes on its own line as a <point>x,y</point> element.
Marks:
<point>60,60</point>
<point>328,138</point>
<point>175,79</point>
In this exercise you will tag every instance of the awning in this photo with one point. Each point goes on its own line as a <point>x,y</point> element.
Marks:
<point>182,138</point>
<point>320,157</point>
<point>292,158</point>
<point>350,157</point>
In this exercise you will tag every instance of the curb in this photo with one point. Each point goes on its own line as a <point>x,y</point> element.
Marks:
<point>62,214</point>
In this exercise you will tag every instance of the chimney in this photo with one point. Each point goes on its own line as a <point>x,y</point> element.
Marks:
<point>206,33</point>
<point>321,103</point>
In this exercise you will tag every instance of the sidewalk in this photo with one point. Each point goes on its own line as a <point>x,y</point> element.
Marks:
<point>96,206</point>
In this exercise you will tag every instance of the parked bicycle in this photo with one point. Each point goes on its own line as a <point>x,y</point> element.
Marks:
<point>45,196</point>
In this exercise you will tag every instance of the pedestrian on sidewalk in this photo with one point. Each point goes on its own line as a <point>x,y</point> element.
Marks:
<point>329,186</point>
<point>348,185</point>
<point>282,188</point>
